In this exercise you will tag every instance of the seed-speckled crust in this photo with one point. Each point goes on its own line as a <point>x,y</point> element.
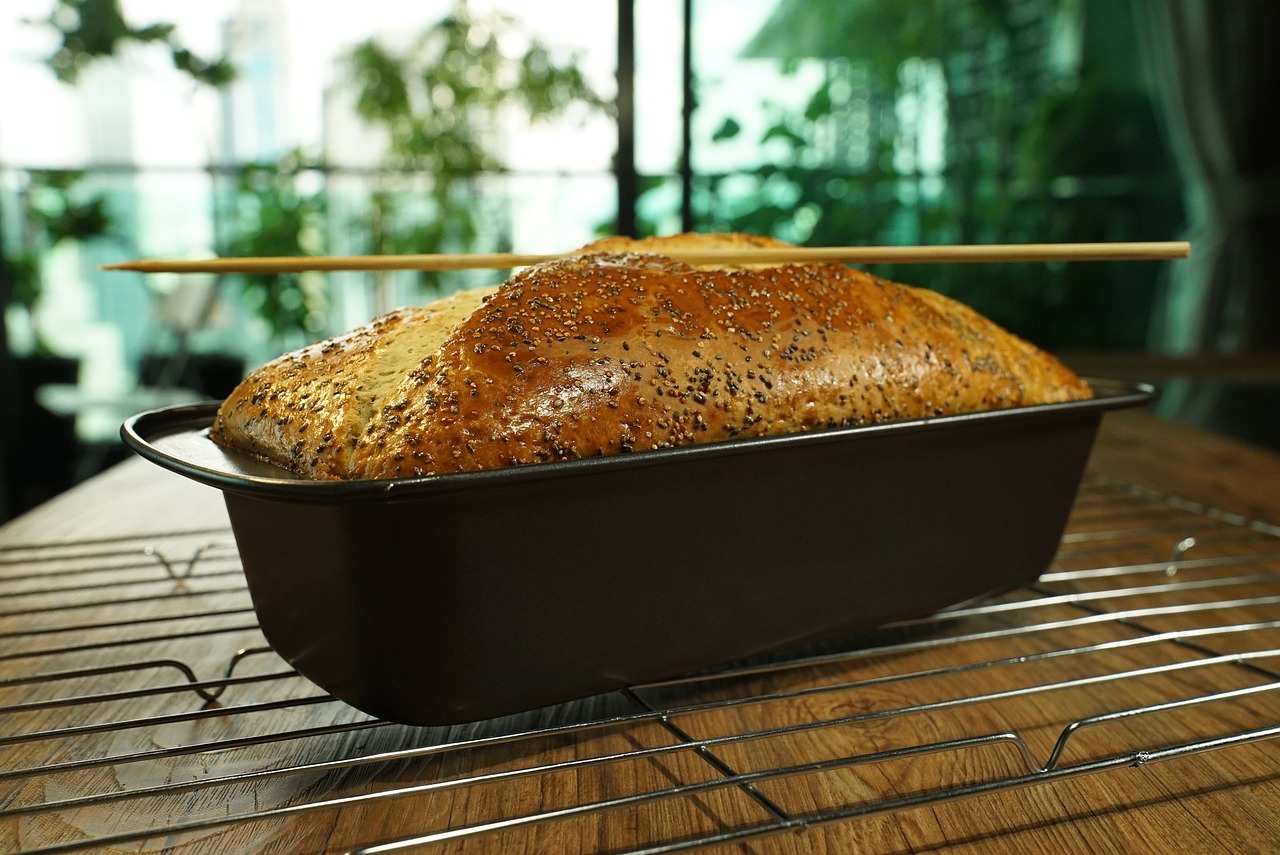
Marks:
<point>305,410</point>
<point>622,349</point>
<point>618,352</point>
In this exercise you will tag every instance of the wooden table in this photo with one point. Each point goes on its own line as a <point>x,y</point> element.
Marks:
<point>121,608</point>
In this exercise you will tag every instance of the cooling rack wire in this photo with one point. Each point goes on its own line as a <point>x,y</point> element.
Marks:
<point>141,710</point>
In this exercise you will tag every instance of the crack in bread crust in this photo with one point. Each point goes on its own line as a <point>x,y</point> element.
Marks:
<point>306,410</point>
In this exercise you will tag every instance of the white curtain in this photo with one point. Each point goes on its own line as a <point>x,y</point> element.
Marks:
<point>1215,68</point>
<point>1215,65</point>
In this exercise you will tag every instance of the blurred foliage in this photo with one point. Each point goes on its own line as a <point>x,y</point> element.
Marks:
<point>56,212</point>
<point>440,104</point>
<point>878,33</point>
<point>1037,149</point>
<point>272,213</point>
<point>91,30</point>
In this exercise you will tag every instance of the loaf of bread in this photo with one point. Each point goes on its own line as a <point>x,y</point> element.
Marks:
<point>620,348</point>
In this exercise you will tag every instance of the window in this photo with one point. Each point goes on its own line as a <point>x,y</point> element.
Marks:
<point>824,122</point>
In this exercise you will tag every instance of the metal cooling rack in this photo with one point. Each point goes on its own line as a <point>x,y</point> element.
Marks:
<point>141,709</point>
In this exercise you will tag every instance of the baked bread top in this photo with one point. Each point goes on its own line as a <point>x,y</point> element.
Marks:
<point>620,349</point>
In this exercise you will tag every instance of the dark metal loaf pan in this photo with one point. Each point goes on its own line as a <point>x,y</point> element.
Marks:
<point>460,597</point>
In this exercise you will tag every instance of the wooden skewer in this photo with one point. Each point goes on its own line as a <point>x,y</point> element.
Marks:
<point>969,253</point>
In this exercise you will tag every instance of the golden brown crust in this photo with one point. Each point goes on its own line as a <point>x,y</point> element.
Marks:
<point>305,410</point>
<point>659,245</point>
<point>618,351</point>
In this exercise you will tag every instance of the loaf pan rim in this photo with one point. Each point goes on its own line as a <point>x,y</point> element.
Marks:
<point>140,431</point>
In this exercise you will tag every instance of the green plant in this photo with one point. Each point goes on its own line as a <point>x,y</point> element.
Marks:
<point>91,30</point>
<point>273,214</point>
<point>56,214</point>
<point>55,211</point>
<point>1036,150</point>
<point>438,104</point>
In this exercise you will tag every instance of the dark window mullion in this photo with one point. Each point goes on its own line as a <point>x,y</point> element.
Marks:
<point>624,166</point>
<point>689,100</point>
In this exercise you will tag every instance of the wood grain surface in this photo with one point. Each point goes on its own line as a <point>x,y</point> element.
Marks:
<point>110,591</point>
<point>1169,456</point>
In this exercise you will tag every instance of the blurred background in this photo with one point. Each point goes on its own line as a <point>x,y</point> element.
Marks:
<point>143,128</point>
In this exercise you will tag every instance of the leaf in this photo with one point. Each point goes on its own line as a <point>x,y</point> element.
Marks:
<point>729,129</point>
<point>25,269</point>
<point>782,131</point>
<point>92,30</point>
<point>379,77</point>
<point>819,103</point>
<point>153,33</point>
